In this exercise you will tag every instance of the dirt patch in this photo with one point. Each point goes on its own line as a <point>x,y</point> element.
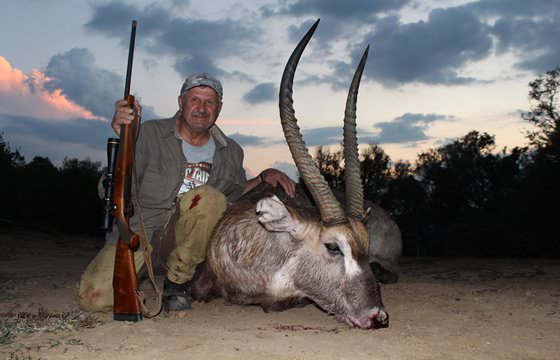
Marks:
<point>440,309</point>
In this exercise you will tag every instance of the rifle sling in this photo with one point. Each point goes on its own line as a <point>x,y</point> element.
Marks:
<point>147,250</point>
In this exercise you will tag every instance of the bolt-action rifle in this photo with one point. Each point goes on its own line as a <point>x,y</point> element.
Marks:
<point>127,305</point>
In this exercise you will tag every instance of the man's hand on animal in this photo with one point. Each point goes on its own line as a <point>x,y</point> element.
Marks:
<point>275,177</point>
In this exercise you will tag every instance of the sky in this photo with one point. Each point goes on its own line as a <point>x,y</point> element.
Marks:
<point>437,69</point>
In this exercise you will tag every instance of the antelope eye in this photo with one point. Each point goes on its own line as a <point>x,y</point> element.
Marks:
<point>333,249</point>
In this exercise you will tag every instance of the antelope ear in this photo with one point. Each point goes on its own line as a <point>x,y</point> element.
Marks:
<point>275,216</point>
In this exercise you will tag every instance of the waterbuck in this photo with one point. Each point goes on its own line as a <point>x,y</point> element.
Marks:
<point>265,252</point>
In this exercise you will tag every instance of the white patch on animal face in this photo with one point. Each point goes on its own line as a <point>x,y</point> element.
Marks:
<point>350,264</point>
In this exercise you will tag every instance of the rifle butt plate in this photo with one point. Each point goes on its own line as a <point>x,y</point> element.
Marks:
<point>128,317</point>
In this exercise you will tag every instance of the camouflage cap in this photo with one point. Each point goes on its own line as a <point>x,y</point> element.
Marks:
<point>202,79</point>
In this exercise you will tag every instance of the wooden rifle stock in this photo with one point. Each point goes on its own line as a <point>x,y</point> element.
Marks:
<point>126,304</point>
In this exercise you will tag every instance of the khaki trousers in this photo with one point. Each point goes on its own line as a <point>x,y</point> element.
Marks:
<point>199,212</point>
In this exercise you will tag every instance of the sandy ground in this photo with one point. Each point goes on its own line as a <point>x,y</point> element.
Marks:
<point>440,309</point>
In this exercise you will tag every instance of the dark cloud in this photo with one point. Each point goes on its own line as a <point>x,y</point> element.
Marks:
<point>92,133</point>
<point>328,30</point>
<point>78,77</point>
<point>110,19</point>
<point>526,28</point>
<point>197,63</point>
<point>180,4</point>
<point>53,139</point>
<point>407,128</point>
<point>248,140</point>
<point>515,8</point>
<point>323,136</point>
<point>436,50</point>
<point>261,93</point>
<point>340,78</point>
<point>333,135</point>
<point>356,9</point>
<point>197,44</point>
<point>212,39</point>
<point>432,51</point>
<point>530,40</point>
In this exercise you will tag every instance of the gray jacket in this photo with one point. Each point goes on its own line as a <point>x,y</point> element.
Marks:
<point>160,170</point>
<point>160,164</point>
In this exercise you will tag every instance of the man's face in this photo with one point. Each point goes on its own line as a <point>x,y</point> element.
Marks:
<point>200,108</point>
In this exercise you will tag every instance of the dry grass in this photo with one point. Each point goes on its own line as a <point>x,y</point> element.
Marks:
<point>13,324</point>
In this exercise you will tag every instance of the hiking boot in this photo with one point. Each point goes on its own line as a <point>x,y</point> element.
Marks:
<point>176,297</point>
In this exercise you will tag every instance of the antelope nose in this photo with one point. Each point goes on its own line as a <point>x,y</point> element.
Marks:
<point>380,320</point>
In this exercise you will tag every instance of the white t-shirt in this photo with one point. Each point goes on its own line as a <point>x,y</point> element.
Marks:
<point>198,165</point>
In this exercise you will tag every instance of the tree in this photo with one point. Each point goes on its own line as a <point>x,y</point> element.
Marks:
<point>375,168</point>
<point>405,200</point>
<point>39,191</point>
<point>11,163</point>
<point>78,179</point>
<point>458,177</point>
<point>9,159</point>
<point>461,181</point>
<point>538,191</point>
<point>330,166</point>
<point>544,113</point>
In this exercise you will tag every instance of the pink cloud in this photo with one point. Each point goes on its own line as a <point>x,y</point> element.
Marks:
<point>24,95</point>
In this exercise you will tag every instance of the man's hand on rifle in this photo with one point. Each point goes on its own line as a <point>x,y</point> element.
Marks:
<point>124,114</point>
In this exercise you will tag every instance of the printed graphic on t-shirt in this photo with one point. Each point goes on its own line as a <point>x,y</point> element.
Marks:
<point>195,175</point>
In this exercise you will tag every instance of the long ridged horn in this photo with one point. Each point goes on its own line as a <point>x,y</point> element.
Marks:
<point>354,189</point>
<point>330,209</point>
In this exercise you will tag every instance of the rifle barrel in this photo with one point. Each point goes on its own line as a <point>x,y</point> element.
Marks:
<point>130,57</point>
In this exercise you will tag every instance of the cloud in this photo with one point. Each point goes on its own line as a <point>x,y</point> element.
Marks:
<point>248,140</point>
<point>198,63</point>
<point>77,76</point>
<point>59,112</point>
<point>79,79</point>
<point>432,51</point>
<point>357,9</point>
<point>91,133</point>
<point>530,39</point>
<point>407,128</point>
<point>333,135</point>
<point>322,136</point>
<point>515,8</point>
<point>524,28</point>
<point>74,138</point>
<point>437,50</point>
<point>195,43</point>
<point>344,10</point>
<point>261,93</point>
<point>30,95</point>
